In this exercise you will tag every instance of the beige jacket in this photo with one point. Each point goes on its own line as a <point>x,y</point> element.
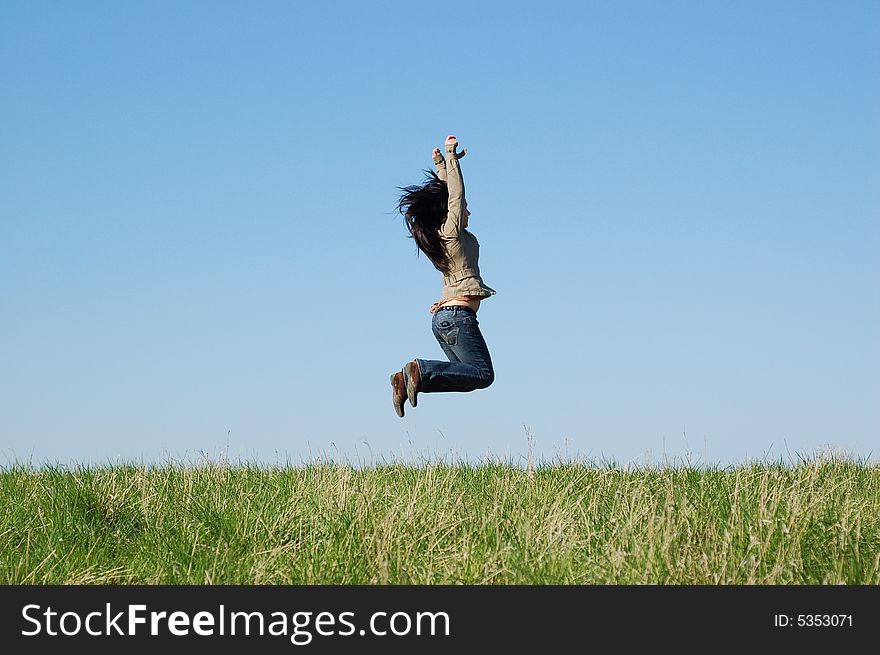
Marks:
<point>461,246</point>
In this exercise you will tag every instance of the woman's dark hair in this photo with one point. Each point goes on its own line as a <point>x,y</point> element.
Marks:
<point>424,208</point>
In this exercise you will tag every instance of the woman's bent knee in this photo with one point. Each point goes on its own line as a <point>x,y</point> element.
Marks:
<point>486,378</point>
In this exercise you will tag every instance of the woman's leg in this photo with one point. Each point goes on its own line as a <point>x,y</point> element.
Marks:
<point>470,366</point>
<point>441,339</point>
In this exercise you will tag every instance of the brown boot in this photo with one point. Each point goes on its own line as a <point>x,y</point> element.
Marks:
<point>398,392</point>
<point>413,378</point>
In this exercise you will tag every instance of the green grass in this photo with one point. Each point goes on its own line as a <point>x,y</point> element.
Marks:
<point>817,522</point>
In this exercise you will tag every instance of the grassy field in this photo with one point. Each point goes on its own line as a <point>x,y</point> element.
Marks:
<point>814,522</point>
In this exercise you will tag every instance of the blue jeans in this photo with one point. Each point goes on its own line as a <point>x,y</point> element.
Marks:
<point>469,367</point>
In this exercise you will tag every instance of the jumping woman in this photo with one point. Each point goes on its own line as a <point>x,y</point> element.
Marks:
<point>436,216</point>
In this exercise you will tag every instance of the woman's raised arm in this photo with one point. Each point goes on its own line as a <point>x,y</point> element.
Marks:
<point>455,185</point>
<point>439,164</point>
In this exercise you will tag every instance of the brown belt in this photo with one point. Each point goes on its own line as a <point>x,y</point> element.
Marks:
<point>437,305</point>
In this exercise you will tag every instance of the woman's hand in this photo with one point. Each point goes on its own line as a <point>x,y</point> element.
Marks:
<point>451,145</point>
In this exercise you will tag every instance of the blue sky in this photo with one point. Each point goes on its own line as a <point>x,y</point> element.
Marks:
<point>677,202</point>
